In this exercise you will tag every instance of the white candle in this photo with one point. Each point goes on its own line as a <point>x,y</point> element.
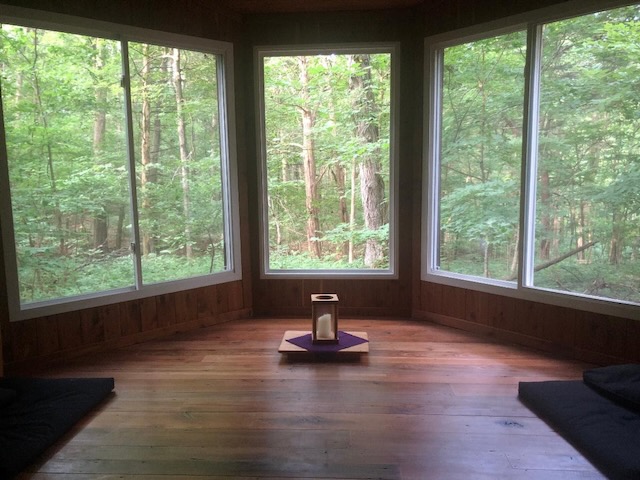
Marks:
<point>323,327</point>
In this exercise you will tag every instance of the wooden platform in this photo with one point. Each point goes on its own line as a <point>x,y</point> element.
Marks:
<point>287,347</point>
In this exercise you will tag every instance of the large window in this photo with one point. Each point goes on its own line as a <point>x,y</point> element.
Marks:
<point>534,158</point>
<point>328,161</point>
<point>117,172</point>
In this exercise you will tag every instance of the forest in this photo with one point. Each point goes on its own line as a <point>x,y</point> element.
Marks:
<point>86,219</point>
<point>587,228</point>
<point>328,167</point>
<point>72,187</point>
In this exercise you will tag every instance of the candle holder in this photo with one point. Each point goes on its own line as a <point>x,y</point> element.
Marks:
<point>324,317</point>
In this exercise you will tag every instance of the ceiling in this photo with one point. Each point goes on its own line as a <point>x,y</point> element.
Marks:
<point>293,6</point>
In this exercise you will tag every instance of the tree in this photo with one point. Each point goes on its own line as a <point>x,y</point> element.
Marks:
<point>309,161</point>
<point>372,189</point>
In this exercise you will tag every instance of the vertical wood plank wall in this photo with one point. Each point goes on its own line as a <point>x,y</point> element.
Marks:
<point>380,297</point>
<point>62,336</point>
<point>598,338</point>
<point>592,337</point>
<point>583,335</point>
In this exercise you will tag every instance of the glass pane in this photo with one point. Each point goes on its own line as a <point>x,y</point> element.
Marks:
<point>64,122</point>
<point>480,158</point>
<point>327,126</point>
<point>178,159</point>
<point>588,193</point>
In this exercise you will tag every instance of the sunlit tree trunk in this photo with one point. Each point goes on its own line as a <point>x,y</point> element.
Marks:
<point>309,164</point>
<point>367,131</point>
<point>516,253</point>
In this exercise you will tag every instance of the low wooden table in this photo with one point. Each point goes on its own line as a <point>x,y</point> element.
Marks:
<point>287,347</point>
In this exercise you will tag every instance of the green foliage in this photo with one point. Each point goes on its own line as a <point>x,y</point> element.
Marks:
<point>330,98</point>
<point>588,173</point>
<point>66,142</point>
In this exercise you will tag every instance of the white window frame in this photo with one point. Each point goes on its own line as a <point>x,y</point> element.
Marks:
<point>392,48</point>
<point>523,288</point>
<point>225,72</point>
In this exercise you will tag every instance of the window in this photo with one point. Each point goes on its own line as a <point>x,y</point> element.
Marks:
<point>118,166</point>
<point>328,174</point>
<point>480,151</point>
<point>553,211</point>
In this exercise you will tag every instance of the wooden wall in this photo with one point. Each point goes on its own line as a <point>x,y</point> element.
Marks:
<point>598,338</point>
<point>592,337</point>
<point>60,337</point>
<point>357,298</point>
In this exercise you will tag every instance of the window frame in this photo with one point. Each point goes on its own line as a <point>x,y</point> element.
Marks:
<point>523,287</point>
<point>223,52</point>
<point>260,52</point>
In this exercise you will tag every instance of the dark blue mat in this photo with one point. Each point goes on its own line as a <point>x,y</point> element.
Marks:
<point>35,412</point>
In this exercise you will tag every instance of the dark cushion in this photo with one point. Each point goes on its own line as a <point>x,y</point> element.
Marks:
<point>42,410</point>
<point>619,383</point>
<point>605,432</point>
<point>7,396</point>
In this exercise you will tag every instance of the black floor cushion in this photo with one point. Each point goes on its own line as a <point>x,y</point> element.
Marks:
<point>35,412</point>
<point>605,431</point>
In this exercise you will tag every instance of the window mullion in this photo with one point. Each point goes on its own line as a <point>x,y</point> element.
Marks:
<point>434,136</point>
<point>135,233</point>
<point>530,155</point>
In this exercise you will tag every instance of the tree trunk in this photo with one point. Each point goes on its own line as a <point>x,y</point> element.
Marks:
<point>486,249</point>
<point>516,253</point>
<point>616,242</point>
<point>184,154</point>
<point>120,229</point>
<point>547,222</point>
<point>309,164</point>
<point>367,132</point>
<point>100,222</point>
<point>352,210</point>
<point>580,232</point>
<point>62,245</point>
<point>341,185</point>
<point>148,173</point>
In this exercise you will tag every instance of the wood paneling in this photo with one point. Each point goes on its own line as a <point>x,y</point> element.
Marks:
<point>63,336</point>
<point>382,297</point>
<point>443,16</point>
<point>583,335</point>
<point>594,337</point>
<point>296,6</point>
<point>201,18</point>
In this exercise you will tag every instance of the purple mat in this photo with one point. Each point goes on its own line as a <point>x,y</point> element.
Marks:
<point>345,340</point>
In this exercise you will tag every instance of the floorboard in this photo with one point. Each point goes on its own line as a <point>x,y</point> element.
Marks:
<point>426,402</point>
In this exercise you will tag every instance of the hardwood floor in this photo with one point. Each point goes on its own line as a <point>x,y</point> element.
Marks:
<point>427,402</point>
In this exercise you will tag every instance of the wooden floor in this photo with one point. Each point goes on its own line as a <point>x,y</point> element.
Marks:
<point>427,402</point>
